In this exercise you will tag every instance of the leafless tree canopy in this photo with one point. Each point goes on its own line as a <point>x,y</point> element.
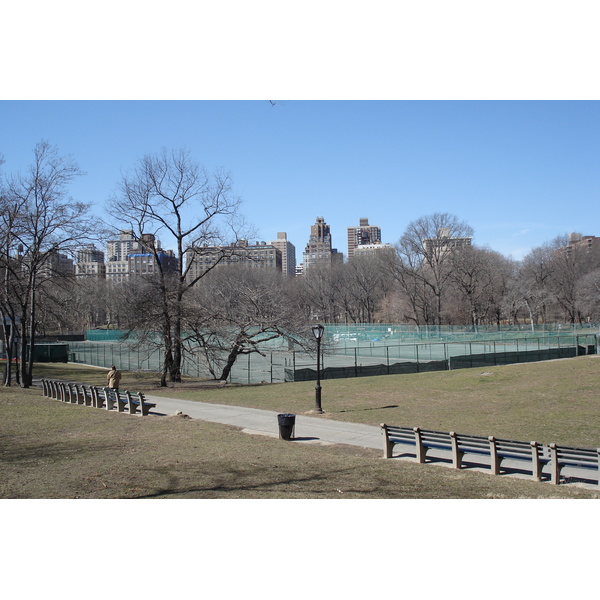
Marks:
<point>170,194</point>
<point>240,311</point>
<point>433,275</point>
<point>39,221</point>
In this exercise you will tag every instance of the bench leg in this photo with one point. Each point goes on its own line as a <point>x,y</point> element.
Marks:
<point>387,449</point>
<point>554,466</point>
<point>536,467</point>
<point>420,450</point>
<point>387,445</point>
<point>130,404</point>
<point>108,401</point>
<point>494,459</point>
<point>457,455</point>
<point>144,408</point>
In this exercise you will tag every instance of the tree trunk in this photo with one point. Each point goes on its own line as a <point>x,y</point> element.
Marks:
<point>8,343</point>
<point>235,352</point>
<point>167,366</point>
<point>177,349</point>
<point>23,356</point>
<point>28,366</point>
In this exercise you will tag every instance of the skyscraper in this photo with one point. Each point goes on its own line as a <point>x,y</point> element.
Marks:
<point>90,262</point>
<point>318,251</point>
<point>288,254</point>
<point>362,235</point>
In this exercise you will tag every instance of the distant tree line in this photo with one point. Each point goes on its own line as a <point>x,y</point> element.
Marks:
<point>425,279</point>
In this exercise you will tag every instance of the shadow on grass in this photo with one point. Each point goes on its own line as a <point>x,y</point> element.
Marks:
<point>373,408</point>
<point>55,450</point>
<point>255,481</point>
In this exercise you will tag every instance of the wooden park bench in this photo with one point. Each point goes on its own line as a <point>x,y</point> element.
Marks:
<point>495,450</point>
<point>531,453</point>
<point>75,393</point>
<point>86,394</point>
<point>498,450</point>
<point>89,395</point>
<point>125,401</point>
<point>420,439</point>
<point>576,458</point>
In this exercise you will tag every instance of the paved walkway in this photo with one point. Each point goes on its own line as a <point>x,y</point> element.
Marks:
<point>264,422</point>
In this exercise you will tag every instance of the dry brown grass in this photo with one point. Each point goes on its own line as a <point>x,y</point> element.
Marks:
<point>55,450</point>
<point>555,401</point>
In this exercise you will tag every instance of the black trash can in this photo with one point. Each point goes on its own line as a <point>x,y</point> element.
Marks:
<point>286,426</point>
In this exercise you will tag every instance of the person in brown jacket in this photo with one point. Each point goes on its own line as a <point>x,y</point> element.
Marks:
<point>113,378</point>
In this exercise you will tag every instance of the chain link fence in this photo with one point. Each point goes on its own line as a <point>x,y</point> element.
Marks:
<point>361,351</point>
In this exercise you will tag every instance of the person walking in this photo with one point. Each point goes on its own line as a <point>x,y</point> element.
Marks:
<point>113,378</point>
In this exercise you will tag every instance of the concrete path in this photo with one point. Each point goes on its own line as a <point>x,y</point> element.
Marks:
<point>264,422</point>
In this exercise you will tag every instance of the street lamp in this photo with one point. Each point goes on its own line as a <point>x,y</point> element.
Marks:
<point>318,331</point>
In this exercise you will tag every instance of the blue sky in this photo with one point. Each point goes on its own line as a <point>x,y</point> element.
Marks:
<point>519,172</point>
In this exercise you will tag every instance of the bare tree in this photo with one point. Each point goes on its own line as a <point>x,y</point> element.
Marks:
<point>422,266</point>
<point>317,291</point>
<point>39,221</point>
<point>8,305</point>
<point>570,264</point>
<point>238,311</point>
<point>475,273</point>
<point>588,290</point>
<point>365,284</point>
<point>169,193</point>
<point>533,283</point>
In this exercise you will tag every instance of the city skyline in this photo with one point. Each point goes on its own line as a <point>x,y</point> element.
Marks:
<point>519,172</point>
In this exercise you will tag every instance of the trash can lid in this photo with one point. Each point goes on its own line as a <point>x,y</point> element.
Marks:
<point>286,415</point>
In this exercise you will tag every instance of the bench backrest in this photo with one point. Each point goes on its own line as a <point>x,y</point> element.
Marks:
<point>478,443</point>
<point>430,436</point>
<point>586,457</point>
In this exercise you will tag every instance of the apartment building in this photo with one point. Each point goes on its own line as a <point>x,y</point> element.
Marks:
<point>362,235</point>
<point>288,254</point>
<point>318,251</point>
<point>128,255</point>
<point>90,262</point>
<point>253,256</point>
<point>444,242</point>
<point>579,242</point>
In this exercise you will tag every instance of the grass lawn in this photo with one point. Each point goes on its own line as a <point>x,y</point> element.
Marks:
<point>555,401</point>
<point>54,450</point>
